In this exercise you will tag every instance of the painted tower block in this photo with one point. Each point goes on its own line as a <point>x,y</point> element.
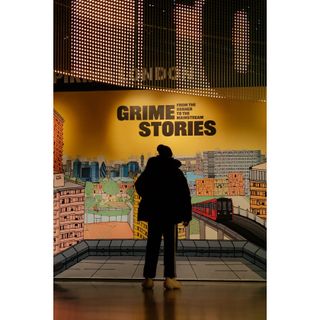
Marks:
<point>124,171</point>
<point>235,184</point>
<point>199,164</point>
<point>68,216</point>
<point>133,168</point>
<point>68,170</point>
<point>204,187</point>
<point>94,171</point>
<point>258,190</point>
<point>188,164</point>
<point>58,143</point>
<point>103,170</point>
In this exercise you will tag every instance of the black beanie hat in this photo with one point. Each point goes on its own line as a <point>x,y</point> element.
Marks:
<point>164,151</point>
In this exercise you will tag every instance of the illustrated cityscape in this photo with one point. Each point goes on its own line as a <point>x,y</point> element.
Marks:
<point>95,199</point>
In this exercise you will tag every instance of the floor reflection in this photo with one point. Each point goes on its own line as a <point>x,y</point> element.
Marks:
<point>127,300</point>
<point>169,303</point>
<point>151,310</point>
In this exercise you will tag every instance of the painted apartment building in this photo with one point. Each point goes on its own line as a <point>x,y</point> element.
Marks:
<point>235,184</point>
<point>140,228</point>
<point>219,163</point>
<point>204,187</point>
<point>57,143</point>
<point>191,164</point>
<point>258,190</point>
<point>67,168</point>
<point>220,187</point>
<point>68,218</point>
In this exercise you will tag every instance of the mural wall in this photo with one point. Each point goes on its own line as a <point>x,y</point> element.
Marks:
<point>103,139</point>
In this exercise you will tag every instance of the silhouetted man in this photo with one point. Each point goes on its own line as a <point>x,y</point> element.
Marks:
<point>165,202</point>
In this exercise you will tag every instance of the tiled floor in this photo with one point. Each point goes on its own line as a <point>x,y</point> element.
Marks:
<point>188,268</point>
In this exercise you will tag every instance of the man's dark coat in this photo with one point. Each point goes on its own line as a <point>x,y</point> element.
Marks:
<point>164,191</point>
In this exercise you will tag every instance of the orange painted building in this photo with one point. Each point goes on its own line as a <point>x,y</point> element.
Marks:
<point>68,216</point>
<point>220,186</point>
<point>205,187</point>
<point>57,143</point>
<point>258,190</point>
<point>235,184</point>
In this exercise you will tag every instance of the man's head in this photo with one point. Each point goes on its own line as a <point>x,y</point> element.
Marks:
<point>164,151</point>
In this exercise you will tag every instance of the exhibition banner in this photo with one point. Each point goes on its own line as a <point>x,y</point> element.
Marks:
<point>103,140</point>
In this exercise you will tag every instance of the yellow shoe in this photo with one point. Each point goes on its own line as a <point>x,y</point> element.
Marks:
<point>171,283</point>
<point>147,283</point>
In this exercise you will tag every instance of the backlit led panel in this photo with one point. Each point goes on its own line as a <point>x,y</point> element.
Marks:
<point>139,69</point>
<point>102,40</point>
<point>241,41</point>
<point>189,57</point>
<point>198,47</point>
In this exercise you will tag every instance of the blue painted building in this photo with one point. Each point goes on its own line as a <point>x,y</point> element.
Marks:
<point>85,171</point>
<point>114,173</point>
<point>103,170</point>
<point>124,170</point>
<point>133,167</point>
<point>94,171</point>
<point>77,168</point>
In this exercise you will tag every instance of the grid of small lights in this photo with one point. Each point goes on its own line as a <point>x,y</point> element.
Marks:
<point>189,58</point>
<point>241,41</point>
<point>140,44</point>
<point>103,45</point>
<point>102,40</point>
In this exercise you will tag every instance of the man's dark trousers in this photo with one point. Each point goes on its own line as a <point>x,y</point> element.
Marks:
<point>155,231</point>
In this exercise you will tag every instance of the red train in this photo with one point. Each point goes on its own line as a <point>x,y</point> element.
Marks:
<point>216,209</point>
